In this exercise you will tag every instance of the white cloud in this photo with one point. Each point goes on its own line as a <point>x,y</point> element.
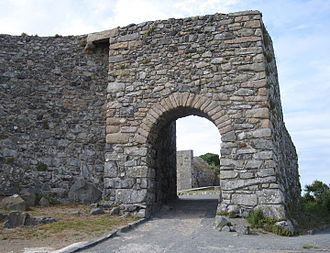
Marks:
<point>198,134</point>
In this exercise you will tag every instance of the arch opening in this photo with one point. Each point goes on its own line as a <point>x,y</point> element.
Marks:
<point>162,155</point>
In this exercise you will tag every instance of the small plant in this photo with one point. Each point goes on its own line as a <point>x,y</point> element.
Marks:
<point>83,43</point>
<point>23,34</point>
<point>150,30</point>
<point>41,167</point>
<point>219,69</point>
<point>258,220</point>
<point>57,36</point>
<point>45,124</point>
<point>145,61</point>
<point>10,160</point>
<point>122,66</point>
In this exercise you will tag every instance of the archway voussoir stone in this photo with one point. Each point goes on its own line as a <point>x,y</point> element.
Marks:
<point>178,99</point>
<point>173,101</point>
<point>190,100</point>
<point>205,104</point>
<point>185,97</point>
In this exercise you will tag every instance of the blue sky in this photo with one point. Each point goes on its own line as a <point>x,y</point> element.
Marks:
<point>300,30</point>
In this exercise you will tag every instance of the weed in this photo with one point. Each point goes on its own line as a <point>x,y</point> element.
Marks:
<point>41,167</point>
<point>57,36</point>
<point>83,43</point>
<point>258,220</point>
<point>150,30</point>
<point>10,160</point>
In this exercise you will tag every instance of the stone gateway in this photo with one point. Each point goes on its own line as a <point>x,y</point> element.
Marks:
<point>221,67</point>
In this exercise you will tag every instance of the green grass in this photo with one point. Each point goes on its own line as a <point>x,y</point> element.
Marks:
<point>310,247</point>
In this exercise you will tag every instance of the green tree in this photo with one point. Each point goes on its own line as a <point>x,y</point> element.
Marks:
<point>213,160</point>
<point>316,200</point>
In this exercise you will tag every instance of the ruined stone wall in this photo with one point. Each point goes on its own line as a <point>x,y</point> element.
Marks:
<point>211,66</point>
<point>184,168</point>
<point>204,175</point>
<point>285,156</point>
<point>221,67</point>
<point>52,113</point>
<point>193,171</point>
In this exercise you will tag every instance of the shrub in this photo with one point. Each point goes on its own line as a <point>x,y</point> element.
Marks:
<point>316,200</point>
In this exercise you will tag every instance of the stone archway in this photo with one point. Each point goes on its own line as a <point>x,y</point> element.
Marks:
<point>221,67</point>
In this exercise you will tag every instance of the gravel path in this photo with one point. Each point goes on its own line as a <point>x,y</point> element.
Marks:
<point>188,227</point>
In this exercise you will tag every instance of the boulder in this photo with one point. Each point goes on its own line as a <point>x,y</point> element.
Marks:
<point>84,192</point>
<point>287,225</point>
<point>36,220</point>
<point>44,202</point>
<point>220,221</point>
<point>16,219</point>
<point>14,202</point>
<point>29,197</point>
<point>3,216</point>
<point>96,211</point>
<point>115,210</point>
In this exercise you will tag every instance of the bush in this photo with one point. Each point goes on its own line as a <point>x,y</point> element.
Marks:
<point>316,200</point>
<point>213,160</point>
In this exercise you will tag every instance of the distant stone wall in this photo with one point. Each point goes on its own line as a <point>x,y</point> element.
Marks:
<point>52,113</point>
<point>204,175</point>
<point>184,169</point>
<point>193,171</point>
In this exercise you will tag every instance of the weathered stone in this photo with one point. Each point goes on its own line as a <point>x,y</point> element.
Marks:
<point>117,138</point>
<point>115,210</point>
<point>258,113</point>
<point>16,219</point>
<point>44,202</point>
<point>220,221</point>
<point>14,202</point>
<point>97,211</point>
<point>29,197</point>
<point>84,192</point>
<point>286,225</point>
<point>130,196</point>
<point>110,169</point>
<point>245,199</point>
<point>3,216</point>
<point>115,87</point>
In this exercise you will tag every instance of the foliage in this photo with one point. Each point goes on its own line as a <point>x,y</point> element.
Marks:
<point>258,220</point>
<point>316,200</point>
<point>213,160</point>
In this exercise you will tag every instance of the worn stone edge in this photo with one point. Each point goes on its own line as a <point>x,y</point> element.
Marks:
<point>87,244</point>
<point>105,35</point>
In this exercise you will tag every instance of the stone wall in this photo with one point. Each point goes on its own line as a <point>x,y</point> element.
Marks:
<point>52,113</point>
<point>218,67</point>
<point>184,168</point>
<point>55,98</point>
<point>204,175</point>
<point>193,171</point>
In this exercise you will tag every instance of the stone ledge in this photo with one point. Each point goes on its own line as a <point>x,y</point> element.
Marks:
<point>100,37</point>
